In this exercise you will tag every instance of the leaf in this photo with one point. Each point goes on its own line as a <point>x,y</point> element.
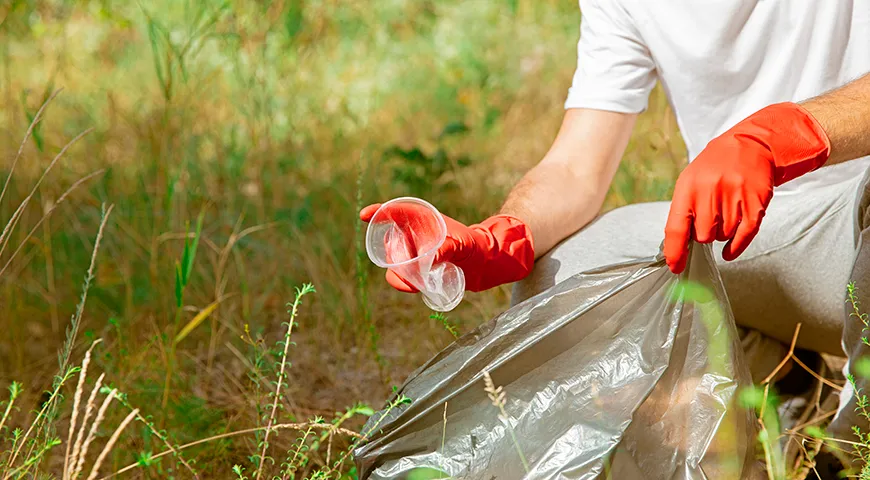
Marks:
<point>191,254</point>
<point>185,256</point>
<point>751,397</point>
<point>414,155</point>
<point>293,19</point>
<point>365,410</point>
<point>179,286</point>
<point>195,321</point>
<point>36,133</point>
<point>143,459</point>
<point>171,183</point>
<point>815,431</point>
<point>153,37</point>
<point>454,128</point>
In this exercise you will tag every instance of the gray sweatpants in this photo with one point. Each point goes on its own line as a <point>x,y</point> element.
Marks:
<point>811,243</point>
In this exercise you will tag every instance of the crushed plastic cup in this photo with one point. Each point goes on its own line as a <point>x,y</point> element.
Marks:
<point>404,235</point>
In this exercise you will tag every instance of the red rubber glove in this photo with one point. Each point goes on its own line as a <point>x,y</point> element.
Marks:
<point>496,251</point>
<point>723,194</point>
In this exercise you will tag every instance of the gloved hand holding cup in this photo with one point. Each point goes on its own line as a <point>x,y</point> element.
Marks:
<point>440,257</point>
<point>404,235</point>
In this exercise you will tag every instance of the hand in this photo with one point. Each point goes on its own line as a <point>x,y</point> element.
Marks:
<point>496,251</point>
<point>723,194</point>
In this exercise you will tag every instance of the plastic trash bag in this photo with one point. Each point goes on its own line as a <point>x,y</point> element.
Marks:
<point>625,372</point>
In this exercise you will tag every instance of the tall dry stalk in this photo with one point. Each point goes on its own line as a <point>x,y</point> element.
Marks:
<point>16,216</point>
<point>77,398</point>
<point>49,410</point>
<point>498,398</point>
<point>76,320</point>
<point>54,206</point>
<point>80,436</point>
<point>101,414</point>
<point>111,443</point>
<point>36,119</point>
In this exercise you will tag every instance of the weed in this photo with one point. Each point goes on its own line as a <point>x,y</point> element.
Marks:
<point>419,172</point>
<point>856,311</point>
<point>276,397</point>
<point>445,322</point>
<point>14,392</point>
<point>861,448</point>
<point>239,471</point>
<point>183,271</point>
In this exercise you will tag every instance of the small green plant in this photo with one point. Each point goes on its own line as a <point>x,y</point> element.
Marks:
<point>861,448</point>
<point>152,429</point>
<point>14,393</point>
<point>445,322</point>
<point>851,292</point>
<point>32,445</point>
<point>297,457</point>
<point>282,375</point>
<point>183,271</point>
<point>418,171</point>
<point>764,402</point>
<point>239,471</point>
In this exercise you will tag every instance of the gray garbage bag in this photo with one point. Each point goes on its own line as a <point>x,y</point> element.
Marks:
<point>625,372</point>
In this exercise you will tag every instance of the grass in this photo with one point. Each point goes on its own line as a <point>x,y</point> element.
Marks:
<point>497,397</point>
<point>254,133</point>
<point>235,143</point>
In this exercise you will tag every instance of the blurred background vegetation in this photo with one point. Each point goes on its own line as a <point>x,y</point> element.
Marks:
<point>275,121</point>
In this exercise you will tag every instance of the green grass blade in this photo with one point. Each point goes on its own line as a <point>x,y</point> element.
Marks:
<point>179,286</point>
<point>190,254</point>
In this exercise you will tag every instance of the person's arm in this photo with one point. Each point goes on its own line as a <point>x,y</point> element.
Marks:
<point>615,74</point>
<point>724,193</point>
<point>566,189</point>
<point>844,114</point>
<point>555,199</point>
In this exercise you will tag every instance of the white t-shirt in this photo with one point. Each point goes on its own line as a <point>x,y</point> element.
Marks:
<point>720,60</point>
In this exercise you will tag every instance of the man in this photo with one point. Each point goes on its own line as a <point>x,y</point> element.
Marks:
<point>773,100</point>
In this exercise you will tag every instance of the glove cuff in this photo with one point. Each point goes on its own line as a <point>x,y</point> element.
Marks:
<point>796,140</point>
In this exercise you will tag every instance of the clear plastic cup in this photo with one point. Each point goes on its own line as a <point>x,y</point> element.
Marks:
<point>404,235</point>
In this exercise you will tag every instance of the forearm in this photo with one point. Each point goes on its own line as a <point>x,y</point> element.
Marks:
<point>554,203</point>
<point>566,189</point>
<point>844,114</point>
